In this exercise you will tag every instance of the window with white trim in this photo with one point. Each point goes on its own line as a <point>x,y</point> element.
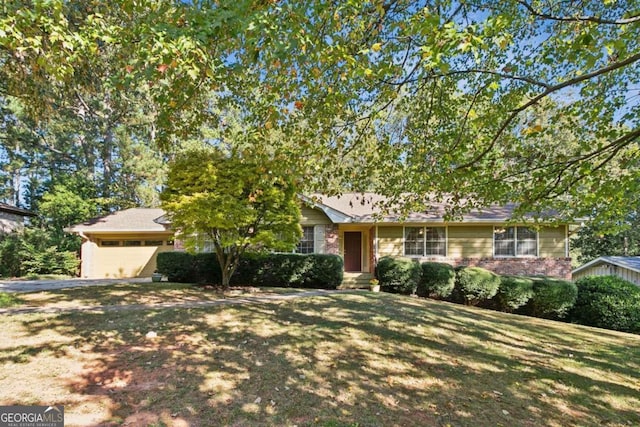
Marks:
<point>204,244</point>
<point>435,241</point>
<point>425,241</point>
<point>515,241</point>
<point>414,241</point>
<point>305,245</point>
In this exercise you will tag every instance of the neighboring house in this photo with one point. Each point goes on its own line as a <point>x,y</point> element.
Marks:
<point>12,218</point>
<point>123,244</point>
<point>350,226</point>
<point>625,267</point>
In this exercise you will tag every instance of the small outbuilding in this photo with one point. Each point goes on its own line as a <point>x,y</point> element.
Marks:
<point>12,218</point>
<point>625,267</point>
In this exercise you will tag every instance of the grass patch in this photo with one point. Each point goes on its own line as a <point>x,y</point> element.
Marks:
<point>9,300</point>
<point>337,360</point>
<point>136,293</point>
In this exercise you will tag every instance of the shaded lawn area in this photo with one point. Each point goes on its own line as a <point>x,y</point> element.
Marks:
<point>129,293</point>
<point>339,360</point>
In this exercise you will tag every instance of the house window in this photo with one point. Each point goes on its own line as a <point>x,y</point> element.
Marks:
<point>110,243</point>
<point>305,245</point>
<point>425,241</point>
<point>515,241</point>
<point>153,242</point>
<point>132,243</point>
<point>204,244</point>
<point>414,241</point>
<point>436,241</point>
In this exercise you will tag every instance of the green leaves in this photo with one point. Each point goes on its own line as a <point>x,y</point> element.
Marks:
<point>237,200</point>
<point>427,97</point>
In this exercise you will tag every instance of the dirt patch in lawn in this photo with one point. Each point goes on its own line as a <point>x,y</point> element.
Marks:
<point>338,360</point>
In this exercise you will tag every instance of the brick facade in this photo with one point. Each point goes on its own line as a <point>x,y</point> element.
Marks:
<point>553,267</point>
<point>332,242</point>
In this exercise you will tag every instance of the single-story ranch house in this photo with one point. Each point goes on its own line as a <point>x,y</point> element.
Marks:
<point>125,243</point>
<point>12,218</point>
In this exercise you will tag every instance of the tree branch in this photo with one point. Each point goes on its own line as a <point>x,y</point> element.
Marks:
<point>594,19</point>
<point>551,89</point>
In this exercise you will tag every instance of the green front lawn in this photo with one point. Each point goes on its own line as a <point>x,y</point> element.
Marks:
<point>339,360</point>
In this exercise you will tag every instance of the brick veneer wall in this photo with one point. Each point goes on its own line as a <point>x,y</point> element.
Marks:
<point>331,237</point>
<point>554,267</point>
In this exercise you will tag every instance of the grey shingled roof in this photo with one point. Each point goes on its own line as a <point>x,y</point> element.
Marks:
<point>365,207</point>
<point>347,208</point>
<point>629,262</point>
<point>134,219</point>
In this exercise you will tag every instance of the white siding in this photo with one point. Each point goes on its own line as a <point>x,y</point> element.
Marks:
<point>319,244</point>
<point>609,270</point>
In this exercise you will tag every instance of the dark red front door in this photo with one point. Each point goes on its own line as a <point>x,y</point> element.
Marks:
<point>352,251</point>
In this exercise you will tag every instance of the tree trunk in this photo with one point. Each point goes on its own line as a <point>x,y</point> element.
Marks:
<point>226,279</point>
<point>228,262</point>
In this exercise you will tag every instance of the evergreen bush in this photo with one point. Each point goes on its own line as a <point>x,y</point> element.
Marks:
<point>437,280</point>
<point>513,293</point>
<point>398,275</point>
<point>607,302</point>
<point>474,285</point>
<point>552,298</point>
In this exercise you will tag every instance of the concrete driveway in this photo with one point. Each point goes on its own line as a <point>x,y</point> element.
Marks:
<point>47,285</point>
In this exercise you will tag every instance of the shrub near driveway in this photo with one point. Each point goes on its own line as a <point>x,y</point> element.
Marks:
<point>319,271</point>
<point>607,302</point>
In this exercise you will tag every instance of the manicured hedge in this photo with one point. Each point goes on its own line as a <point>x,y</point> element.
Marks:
<point>177,266</point>
<point>437,281</point>
<point>552,298</point>
<point>513,293</point>
<point>474,285</point>
<point>320,271</point>
<point>607,302</point>
<point>398,275</point>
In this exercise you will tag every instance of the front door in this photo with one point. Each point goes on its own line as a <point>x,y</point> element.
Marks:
<point>352,251</point>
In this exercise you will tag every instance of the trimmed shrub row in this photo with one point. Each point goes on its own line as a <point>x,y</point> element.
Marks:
<point>318,271</point>
<point>540,296</point>
<point>601,301</point>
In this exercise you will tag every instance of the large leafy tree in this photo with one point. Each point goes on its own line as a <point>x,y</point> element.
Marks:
<point>237,201</point>
<point>596,239</point>
<point>434,98</point>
